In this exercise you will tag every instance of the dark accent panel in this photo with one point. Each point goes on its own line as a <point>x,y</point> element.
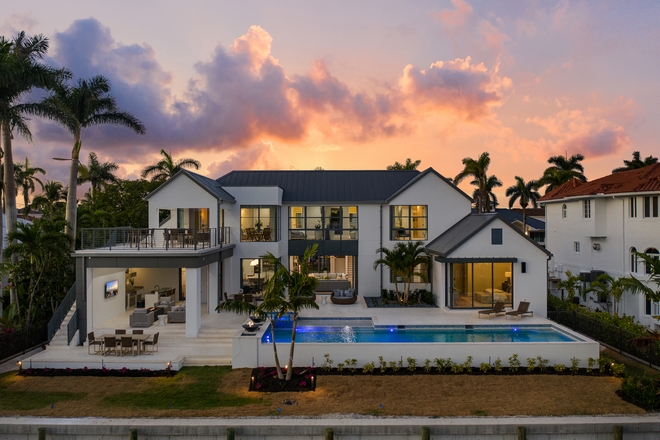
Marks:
<point>81,300</point>
<point>161,261</point>
<point>326,247</point>
<point>476,260</point>
<point>496,236</point>
<point>523,267</point>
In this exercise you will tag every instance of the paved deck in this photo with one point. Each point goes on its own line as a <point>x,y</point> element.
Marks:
<point>213,346</point>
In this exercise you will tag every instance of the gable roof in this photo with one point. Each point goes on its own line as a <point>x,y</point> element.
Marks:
<point>466,228</point>
<point>209,185</point>
<point>511,216</point>
<point>325,186</point>
<point>645,179</point>
<point>420,176</point>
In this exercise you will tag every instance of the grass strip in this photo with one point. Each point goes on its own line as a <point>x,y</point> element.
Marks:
<point>30,400</point>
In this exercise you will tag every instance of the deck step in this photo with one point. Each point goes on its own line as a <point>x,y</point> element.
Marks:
<point>198,361</point>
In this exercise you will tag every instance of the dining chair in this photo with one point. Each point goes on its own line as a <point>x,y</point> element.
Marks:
<point>110,345</point>
<point>266,234</point>
<point>93,342</point>
<point>120,331</point>
<point>153,344</point>
<point>138,332</point>
<point>247,297</point>
<point>127,345</point>
<point>238,297</point>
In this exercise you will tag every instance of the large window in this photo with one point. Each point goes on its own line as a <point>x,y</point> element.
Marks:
<point>654,254</point>
<point>587,208</point>
<point>409,222</point>
<point>480,285</point>
<point>633,260</point>
<point>633,207</point>
<point>651,206</point>
<point>332,271</point>
<point>323,223</point>
<point>259,223</point>
<point>255,274</point>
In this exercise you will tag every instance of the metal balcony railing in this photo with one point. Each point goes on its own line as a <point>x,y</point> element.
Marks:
<point>153,238</point>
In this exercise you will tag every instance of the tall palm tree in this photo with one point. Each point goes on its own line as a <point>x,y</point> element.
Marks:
<point>413,256</point>
<point>20,73</point>
<point>25,178</point>
<point>636,163</point>
<point>96,173</point>
<point>572,284</point>
<point>51,199</point>
<point>477,169</point>
<point>408,165</point>
<point>393,260</point>
<point>85,105</point>
<point>605,285</point>
<point>491,183</point>
<point>167,167</point>
<point>562,170</point>
<point>525,193</point>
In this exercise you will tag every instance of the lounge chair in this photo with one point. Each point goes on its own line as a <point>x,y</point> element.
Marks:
<point>498,309</point>
<point>523,307</point>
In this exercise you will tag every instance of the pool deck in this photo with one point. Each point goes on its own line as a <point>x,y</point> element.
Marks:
<point>213,346</point>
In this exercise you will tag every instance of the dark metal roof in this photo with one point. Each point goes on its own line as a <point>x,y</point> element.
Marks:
<point>467,227</point>
<point>325,186</point>
<point>210,185</point>
<point>512,216</point>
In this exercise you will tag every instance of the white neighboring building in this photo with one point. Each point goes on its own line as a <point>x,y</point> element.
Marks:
<point>594,227</point>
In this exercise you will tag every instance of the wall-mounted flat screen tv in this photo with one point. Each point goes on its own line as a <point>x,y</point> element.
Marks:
<point>111,288</point>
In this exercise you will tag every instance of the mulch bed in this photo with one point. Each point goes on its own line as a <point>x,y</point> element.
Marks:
<point>103,372</point>
<point>265,380</point>
<point>377,302</point>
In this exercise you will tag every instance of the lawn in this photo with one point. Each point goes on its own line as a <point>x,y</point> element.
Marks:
<point>221,392</point>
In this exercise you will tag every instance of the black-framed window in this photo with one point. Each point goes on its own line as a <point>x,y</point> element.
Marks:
<point>496,236</point>
<point>654,254</point>
<point>474,285</point>
<point>633,260</point>
<point>409,222</point>
<point>255,273</point>
<point>587,208</point>
<point>563,210</point>
<point>633,207</point>
<point>650,206</point>
<point>338,222</point>
<point>260,223</point>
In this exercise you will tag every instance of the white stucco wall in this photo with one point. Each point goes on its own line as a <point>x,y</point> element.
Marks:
<point>99,308</point>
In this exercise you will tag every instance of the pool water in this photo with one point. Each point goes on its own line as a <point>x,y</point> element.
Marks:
<point>348,332</point>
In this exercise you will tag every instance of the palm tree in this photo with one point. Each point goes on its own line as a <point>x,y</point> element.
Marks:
<point>393,260</point>
<point>409,165</point>
<point>402,261</point>
<point>20,73</point>
<point>167,167</point>
<point>636,163</point>
<point>525,193</point>
<point>36,243</point>
<point>86,105</point>
<point>286,293</point>
<point>25,178</point>
<point>477,169</point>
<point>605,285</point>
<point>491,183</point>
<point>572,284</point>
<point>96,173</point>
<point>635,286</point>
<point>51,199</point>
<point>562,171</point>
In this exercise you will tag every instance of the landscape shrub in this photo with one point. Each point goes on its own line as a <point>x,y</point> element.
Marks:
<point>327,363</point>
<point>559,368</point>
<point>514,362</point>
<point>412,364</point>
<point>542,363</point>
<point>575,365</point>
<point>382,363</point>
<point>467,365</point>
<point>485,367</point>
<point>427,366</point>
<point>497,365</point>
<point>368,367</point>
<point>642,391</point>
<point>531,365</point>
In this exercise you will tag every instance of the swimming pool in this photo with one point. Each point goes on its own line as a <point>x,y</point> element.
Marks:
<point>363,331</point>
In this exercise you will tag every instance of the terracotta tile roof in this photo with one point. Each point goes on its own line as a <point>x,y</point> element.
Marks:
<point>639,180</point>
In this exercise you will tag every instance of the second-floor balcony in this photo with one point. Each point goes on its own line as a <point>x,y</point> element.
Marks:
<point>153,239</point>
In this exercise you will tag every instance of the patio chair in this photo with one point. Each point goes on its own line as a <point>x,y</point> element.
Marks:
<point>127,345</point>
<point>153,344</point>
<point>498,309</point>
<point>138,332</point>
<point>92,342</point>
<point>110,345</point>
<point>523,309</point>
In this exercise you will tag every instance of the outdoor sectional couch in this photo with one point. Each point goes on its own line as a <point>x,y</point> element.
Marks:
<point>142,318</point>
<point>343,296</point>
<point>177,314</point>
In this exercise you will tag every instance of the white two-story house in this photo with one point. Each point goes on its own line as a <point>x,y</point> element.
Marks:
<point>595,227</point>
<point>206,238</point>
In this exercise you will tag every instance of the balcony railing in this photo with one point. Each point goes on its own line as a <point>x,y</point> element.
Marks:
<point>149,239</point>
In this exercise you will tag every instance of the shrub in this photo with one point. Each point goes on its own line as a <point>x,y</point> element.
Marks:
<point>440,364</point>
<point>497,365</point>
<point>427,365</point>
<point>368,367</point>
<point>399,364</point>
<point>383,294</point>
<point>352,363</point>
<point>412,364</point>
<point>485,367</point>
<point>542,363</point>
<point>383,364</point>
<point>559,368</point>
<point>457,368</point>
<point>531,364</point>
<point>394,366</point>
<point>467,365</point>
<point>643,391</point>
<point>591,363</point>
<point>340,367</point>
<point>327,363</point>
<point>427,297</point>
<point>575,365</point>
<point>514,362</point>
<point>605,364</point>
<point>618,369</point>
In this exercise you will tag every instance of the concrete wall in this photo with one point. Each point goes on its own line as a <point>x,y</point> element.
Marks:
<point>99,308</point>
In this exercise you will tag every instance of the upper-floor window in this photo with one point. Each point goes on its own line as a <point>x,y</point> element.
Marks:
<point>323,223</point>
<point>409,222</point>
<point>633,207</point>
<point>496,236</point>
<point>576,246</point>
<point>654,254</point>
<point>633,260</point>
<point>650,206</point>
<point>563,210</point>
<point>259,223</point>
<point>587,208</point>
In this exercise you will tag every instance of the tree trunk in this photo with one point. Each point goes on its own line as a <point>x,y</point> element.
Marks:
<point>524,220</point>
<point>72,196</point>
<point>277,359</point>
<point>289,368</point>
<point>10,193</point>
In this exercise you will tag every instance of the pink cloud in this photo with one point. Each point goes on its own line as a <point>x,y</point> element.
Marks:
<point>457,17</point>
<point>260,156</point>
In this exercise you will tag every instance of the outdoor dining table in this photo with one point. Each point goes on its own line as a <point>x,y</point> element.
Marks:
<point>136,338</point>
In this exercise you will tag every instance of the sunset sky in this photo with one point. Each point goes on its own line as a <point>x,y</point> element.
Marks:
<point>357,85</point>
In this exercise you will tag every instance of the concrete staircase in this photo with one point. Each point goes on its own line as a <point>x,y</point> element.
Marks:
<point>212,345</point>
<point>60,338</point>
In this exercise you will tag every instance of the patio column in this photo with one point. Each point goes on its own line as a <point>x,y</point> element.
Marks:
<point>213,287</point>
<point>193,301</point>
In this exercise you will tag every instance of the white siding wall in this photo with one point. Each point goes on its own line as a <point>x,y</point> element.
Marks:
<point>99,308</point>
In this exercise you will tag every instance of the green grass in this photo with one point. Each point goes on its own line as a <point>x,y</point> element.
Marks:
<point>171,393</point>
<point>30,400</point>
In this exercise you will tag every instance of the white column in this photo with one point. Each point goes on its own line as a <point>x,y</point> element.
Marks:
<point>212,286</point>
<point>89,296</point>
<point>193,302</point>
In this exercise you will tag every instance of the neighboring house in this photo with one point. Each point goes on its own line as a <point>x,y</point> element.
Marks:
<point>206,237</point>
<point>535,224</point>
<point>594,227</point>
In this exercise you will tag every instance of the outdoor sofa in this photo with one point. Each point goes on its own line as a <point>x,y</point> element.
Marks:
<point>343,296</point>
<point>142,318</point>
<point>177,314</point>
